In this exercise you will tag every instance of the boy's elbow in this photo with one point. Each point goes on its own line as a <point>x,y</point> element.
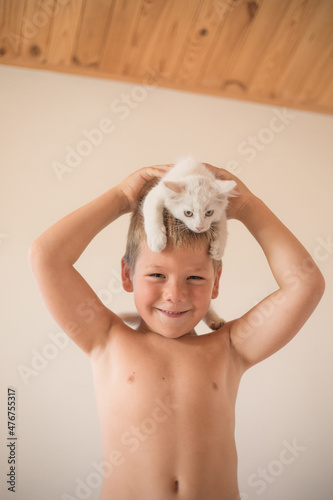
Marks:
<point>316,285</point>
<point>36,255</point>
<point>320,284</point>
<point>33,255</point>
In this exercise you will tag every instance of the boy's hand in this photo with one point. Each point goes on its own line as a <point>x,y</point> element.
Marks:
<point>241,192</point>
<point>133,184</point>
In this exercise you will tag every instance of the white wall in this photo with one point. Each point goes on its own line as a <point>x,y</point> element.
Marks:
<point>287,398</point>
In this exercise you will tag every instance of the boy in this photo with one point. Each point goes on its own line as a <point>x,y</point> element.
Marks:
<point>166,397</point>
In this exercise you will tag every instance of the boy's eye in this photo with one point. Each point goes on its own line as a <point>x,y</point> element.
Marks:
<point>156,275</point>
<point>188,213</point>
<point>209,213</point>
<point>195,278</point>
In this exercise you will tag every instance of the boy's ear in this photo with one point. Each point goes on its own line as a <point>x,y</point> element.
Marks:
<point>126,276</point>
<point>216,286</point>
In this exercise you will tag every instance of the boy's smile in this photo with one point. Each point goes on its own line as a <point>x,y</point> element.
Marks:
<point>172,289</point>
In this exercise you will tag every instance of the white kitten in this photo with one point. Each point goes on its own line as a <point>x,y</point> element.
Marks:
<point>192,194</point>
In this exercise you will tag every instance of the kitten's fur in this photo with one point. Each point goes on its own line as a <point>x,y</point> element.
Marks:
<point>192,194</point>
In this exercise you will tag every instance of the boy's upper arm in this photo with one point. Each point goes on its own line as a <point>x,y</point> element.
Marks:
<point>272,323</point>
<point>73,304</point>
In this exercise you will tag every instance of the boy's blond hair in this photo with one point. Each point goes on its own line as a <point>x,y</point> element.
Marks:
<point>179,236</point>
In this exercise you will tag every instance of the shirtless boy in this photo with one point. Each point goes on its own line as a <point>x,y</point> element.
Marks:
<point>166,397</point>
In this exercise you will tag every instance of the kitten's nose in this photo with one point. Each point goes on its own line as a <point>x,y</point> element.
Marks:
<point>200,228</point>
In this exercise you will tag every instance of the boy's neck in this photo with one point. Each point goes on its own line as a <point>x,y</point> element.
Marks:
<point>144,328</point>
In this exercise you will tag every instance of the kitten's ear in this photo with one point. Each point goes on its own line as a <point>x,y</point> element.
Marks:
<point>226,187</point>
<point>177,187</point>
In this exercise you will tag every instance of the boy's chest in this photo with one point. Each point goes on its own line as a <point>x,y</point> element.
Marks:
<point>141,373</point>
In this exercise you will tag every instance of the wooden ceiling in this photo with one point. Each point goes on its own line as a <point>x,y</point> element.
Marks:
<point>273,51</point>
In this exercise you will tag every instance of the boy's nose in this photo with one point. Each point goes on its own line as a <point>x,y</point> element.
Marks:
<point>173,292</point>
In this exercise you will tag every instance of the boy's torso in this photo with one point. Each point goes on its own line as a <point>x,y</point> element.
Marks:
<point>166,408</point>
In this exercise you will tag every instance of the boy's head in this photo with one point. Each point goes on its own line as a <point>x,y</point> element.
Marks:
<point>173,288</point>
<point>178,235</point>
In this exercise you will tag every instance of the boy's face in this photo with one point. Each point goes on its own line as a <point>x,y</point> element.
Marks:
<point>172,289</point>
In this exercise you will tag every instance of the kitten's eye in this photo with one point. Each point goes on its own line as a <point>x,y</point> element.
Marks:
<point>209,213</point>
<point>188,213</point>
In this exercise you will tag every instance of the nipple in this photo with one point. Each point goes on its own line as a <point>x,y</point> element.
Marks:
<point>130,379</point>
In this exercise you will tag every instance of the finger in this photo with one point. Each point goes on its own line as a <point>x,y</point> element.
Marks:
<point>220,173</point>
<point>149,173</point>
<point>162,169</point>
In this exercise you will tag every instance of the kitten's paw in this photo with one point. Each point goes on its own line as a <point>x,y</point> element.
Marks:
<point>212,320</point>
<point>157,242</point>
<point>216,324</point>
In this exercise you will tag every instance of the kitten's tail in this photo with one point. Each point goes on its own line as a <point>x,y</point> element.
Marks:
<point>131,319</point>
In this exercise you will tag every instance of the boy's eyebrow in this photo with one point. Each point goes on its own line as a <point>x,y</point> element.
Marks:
<point>152,266</point>
<point>189,270</point>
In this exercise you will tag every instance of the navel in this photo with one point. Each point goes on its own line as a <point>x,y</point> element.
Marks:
<point>176,485</point>
<point>215,386</point>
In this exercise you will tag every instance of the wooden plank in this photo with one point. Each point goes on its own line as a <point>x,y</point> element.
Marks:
<point>63,33</point>
<point>119,36</point>
<point>144,37</point>
<point>200,40</point>
<point>318,83</point>
<point>229,44</point>
<point>259,37</point>
<point>172,32</point>
<point>92,32</point>
<point>325,94</point>
<point>155,38</point>
<point>11,15</point>
<point>324,104</point>
<point>38,18</point>
<point>270,73</point>
<point>316,39</point>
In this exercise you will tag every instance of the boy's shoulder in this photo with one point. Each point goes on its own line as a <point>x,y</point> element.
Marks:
<point>126,331</point>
